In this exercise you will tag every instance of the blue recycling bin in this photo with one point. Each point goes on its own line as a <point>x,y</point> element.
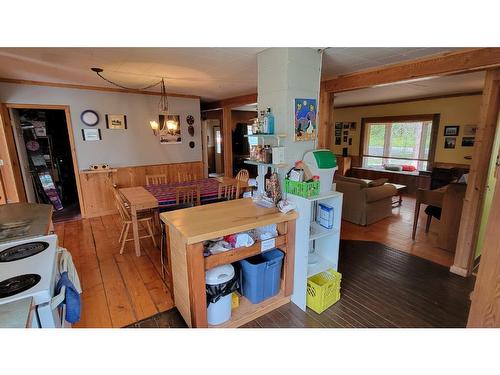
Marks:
<point>261,275</point>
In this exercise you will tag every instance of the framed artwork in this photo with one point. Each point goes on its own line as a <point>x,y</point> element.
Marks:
<point>91,134</point>
<point>116,121</point>
<point>346,125</point>
<point>350,141</point>
<point>451,130</point>
<point>470,130</point>
<point>305,111</point>
<point>170,129</point>
<point>468,141</point>
<point>338,141</point>
<point>450,142</point>
<point>345,139</point>
<point>346,132</point>
<point>353,126</point>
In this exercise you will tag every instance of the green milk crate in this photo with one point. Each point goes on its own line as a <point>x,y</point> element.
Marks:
<point>302,189</point>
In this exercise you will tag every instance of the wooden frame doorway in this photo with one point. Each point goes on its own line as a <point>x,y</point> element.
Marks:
<point>11,170</point>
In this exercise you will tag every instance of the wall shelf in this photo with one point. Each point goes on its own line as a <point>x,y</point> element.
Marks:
<point>254,162</point>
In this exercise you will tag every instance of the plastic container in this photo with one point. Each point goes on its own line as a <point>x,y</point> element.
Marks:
<point>261,275</point>
<point>323,290</point>
<point>302,189</point>
<point>220,311</point>
<point>322,163</point>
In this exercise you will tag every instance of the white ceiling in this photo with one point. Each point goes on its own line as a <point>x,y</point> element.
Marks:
<point>211,73</point>
<point>460,83</point>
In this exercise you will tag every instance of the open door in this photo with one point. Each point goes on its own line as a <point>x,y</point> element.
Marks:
<point>485,308</point>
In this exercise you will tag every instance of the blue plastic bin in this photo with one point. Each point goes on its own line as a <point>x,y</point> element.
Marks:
<point>261,275</point>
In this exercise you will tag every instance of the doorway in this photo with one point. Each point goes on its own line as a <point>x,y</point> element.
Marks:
<point>43,147</point>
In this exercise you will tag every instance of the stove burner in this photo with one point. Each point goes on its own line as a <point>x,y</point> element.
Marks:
<point>22,251</point>
<point>18,284</point>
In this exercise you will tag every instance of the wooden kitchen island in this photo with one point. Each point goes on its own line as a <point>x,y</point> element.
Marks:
<point>186,231</point>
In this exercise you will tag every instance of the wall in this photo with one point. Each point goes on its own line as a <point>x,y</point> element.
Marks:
<point>120,148</point>
<point>463,110</point>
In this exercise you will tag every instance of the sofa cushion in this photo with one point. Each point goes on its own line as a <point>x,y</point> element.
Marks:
<point>380,192</point>
<point>363,184</point>
<point>377,182</point>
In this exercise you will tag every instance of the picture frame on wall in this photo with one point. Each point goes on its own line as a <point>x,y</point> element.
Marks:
<point>450,142</point>
<point>353,126</point>
<point>91,134</point>
<point>338,141</point>
<point>116,122</point>
<point>470,130</point>
<point>468,141</point>
<point>305,111</point>
<point>170,129</point>
<point>345,139</point>
<point>451,131</point>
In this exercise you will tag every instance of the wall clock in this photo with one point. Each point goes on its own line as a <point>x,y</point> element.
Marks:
<point>190,120</point>
<point>89,117</point>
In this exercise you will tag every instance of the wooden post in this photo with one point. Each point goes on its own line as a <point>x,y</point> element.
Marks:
<point>196,279</point>
<point>325,118</point>
<point>485,307</point>
<point>473,202</point>
<point>227,141</point>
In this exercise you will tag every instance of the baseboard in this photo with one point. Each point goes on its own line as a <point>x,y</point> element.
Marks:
<point>459,271</point>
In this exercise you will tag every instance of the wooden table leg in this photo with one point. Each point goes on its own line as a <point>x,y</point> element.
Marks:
<point>415,219</point>
<point>135,230</point>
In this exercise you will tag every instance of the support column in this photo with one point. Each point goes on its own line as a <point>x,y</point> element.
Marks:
<point>325,132</point>
<point>227,141</point>
<point>286,74</point>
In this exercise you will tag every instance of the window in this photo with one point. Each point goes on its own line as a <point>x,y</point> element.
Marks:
<point>397,141</point>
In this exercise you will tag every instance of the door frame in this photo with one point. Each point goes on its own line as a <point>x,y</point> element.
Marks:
<point>10,141</point>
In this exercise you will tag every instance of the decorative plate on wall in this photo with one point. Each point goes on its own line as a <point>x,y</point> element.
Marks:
<point>89,117</point>
<point>190,120</point>
<point>191,130</point>
<point>191,144</point>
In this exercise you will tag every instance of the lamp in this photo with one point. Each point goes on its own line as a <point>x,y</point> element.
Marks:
<point>155,127</point>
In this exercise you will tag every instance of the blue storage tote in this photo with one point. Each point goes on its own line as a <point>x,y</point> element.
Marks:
<point>261,275</point>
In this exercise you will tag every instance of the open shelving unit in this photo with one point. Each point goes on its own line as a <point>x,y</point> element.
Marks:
<point>317,248</point>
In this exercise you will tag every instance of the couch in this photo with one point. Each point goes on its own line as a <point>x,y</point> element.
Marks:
<point>365,203</point>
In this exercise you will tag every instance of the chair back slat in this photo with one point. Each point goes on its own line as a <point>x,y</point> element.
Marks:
<point>243,175</point>
<point>120,204</point>
<point>189,194</point>
<point>156,179</point>
<point>228,190</point>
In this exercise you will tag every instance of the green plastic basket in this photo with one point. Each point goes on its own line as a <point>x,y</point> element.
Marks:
<point>323,290</point>
<point>302,189</point>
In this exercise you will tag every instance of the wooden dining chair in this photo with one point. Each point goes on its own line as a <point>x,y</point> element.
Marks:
<point>156,179</point>
<point>142,217</point>
<point>189,194</point>
<point>183,176</point>
<point>429,197</point>
<point>243,175</point>
<point>228,190</point>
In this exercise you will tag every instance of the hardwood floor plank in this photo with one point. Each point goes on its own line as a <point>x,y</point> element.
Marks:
<point>94,313</point>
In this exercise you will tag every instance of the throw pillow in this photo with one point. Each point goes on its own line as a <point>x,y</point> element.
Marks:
<point>393,167</point>
<point>377,182</point>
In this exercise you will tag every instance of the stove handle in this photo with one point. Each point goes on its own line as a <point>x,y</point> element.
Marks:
<point>58,299</point>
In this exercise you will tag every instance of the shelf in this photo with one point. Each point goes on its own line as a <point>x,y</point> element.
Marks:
<point>321,265</point>
<point>240,253</point>
<point>253,162</point>
<point>247,311</point>
<point>92,171</point>
<point>266,135</point>
<point>317,231</point>
<point>322,195</point>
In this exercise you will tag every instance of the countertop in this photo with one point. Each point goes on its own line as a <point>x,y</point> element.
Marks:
<point>39,215</point>
<point>210,221</point>
<point>15,314</point>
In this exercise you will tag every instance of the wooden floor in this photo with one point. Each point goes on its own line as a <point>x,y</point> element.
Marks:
<point>118,290</point>
<point>381,288</point>
<point>395,232</point>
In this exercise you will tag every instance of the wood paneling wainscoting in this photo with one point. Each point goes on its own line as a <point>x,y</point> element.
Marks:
<point>96,187</point>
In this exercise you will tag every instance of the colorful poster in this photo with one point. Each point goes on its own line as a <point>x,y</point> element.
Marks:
<point>305,119</point>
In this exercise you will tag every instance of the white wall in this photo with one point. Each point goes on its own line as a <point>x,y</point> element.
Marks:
<point>135,146</point>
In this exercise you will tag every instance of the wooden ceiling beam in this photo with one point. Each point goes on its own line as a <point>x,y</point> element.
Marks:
<point>444,64</point>
<point>230,102</point>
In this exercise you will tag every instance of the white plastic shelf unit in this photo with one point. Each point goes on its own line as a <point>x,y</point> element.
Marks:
<point>316,247</point>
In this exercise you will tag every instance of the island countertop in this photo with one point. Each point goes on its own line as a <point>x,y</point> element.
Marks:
<point>210,221</point>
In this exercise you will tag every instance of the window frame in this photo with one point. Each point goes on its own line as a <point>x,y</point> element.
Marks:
<point>434,118</point>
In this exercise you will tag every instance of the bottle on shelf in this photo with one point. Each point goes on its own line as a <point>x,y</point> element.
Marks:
<point>262,122</point>
<point>270,121</point>
<point>267,182</point>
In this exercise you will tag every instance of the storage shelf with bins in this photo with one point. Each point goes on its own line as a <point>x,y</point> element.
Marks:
<point>316,247</point>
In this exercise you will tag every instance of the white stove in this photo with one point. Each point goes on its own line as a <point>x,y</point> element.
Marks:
<point>28,269</point>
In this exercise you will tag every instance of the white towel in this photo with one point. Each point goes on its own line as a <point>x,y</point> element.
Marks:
<point>66,264</point>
